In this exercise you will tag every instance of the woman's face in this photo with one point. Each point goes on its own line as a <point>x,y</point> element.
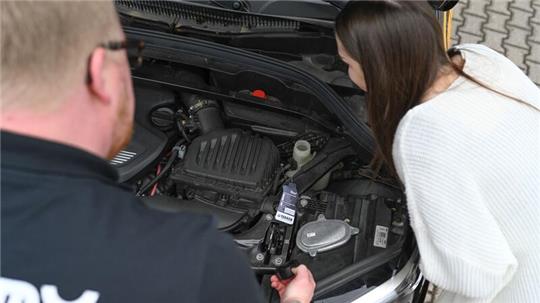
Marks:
<point>355,71</point>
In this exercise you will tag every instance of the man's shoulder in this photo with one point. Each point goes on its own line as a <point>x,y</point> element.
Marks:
<point>130,216</point>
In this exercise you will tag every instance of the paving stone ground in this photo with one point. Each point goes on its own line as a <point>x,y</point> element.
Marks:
<point>511,27</point>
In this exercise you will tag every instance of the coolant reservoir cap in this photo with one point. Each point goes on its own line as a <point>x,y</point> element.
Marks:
<point>323,235</point>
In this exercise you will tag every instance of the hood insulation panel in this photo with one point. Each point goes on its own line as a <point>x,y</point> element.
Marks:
<point>180,14</point>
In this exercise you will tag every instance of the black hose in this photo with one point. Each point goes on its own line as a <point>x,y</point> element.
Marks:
<point>264,270</point>
<point>182,131</point>
<point>168,165</point>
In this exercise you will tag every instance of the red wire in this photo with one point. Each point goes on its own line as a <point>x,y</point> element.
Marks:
<point>154,189</point>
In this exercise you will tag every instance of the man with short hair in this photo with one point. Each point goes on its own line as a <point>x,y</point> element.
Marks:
<point>69,230</point>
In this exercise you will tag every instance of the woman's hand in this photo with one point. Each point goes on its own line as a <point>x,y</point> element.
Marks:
<point>295,290</point>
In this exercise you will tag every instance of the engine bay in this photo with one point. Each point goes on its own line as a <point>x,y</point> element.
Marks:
<point>271,164</point>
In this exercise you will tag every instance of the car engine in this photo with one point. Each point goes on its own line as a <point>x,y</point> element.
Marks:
<point>287,185</point>
<point>235,168</point>
<point>236,173</point>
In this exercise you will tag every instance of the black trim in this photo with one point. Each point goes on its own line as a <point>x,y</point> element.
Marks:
<point>356,270</point>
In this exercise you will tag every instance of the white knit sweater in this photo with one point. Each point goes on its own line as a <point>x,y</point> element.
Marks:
<point>470,162</point>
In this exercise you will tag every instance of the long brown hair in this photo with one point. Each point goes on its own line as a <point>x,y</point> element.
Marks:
<point>400,48</point>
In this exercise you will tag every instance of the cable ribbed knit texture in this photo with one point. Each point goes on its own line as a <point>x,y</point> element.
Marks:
<point>470,162</point>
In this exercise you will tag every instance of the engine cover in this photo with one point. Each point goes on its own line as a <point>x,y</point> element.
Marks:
<point>230,168</point>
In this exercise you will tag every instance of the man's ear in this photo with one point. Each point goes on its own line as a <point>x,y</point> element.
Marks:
<point>96,72</point>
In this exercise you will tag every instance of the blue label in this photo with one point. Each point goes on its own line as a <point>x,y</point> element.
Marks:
<point>286,210</point>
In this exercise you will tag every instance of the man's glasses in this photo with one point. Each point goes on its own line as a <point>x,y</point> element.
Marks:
<point>133,48</point>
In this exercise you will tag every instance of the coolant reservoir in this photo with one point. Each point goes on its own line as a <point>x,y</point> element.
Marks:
<point>301,155</point>
<point>302,152</point>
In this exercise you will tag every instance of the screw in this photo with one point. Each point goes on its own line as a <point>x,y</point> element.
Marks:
<point>259,257</point>
<point>269,217</point>
<point>278,261</point>
<point>304,202</point>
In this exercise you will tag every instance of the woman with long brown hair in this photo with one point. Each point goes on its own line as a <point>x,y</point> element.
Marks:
<point>461,130</point>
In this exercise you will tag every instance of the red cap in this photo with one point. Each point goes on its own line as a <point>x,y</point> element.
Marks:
<point>259,93</point>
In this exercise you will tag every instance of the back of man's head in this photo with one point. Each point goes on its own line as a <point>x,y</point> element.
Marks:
<point>45,48</point>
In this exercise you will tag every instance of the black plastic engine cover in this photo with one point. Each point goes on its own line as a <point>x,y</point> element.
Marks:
<point>238,165</point>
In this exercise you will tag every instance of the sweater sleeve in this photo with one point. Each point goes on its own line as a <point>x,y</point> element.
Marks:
<point>461,245</point>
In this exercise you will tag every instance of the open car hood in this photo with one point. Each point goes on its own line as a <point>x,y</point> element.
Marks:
<point>286,30</point>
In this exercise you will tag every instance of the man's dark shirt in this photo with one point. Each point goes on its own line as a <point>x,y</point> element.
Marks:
<point>67,223</point>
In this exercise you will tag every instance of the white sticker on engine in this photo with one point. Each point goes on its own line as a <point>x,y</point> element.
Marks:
<point>381,236</point>
<point>283,217</point>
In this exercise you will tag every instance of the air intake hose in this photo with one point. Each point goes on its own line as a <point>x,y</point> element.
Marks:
<point>206,111</point>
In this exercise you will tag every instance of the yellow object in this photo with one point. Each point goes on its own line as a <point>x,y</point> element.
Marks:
<point>447,28</point>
